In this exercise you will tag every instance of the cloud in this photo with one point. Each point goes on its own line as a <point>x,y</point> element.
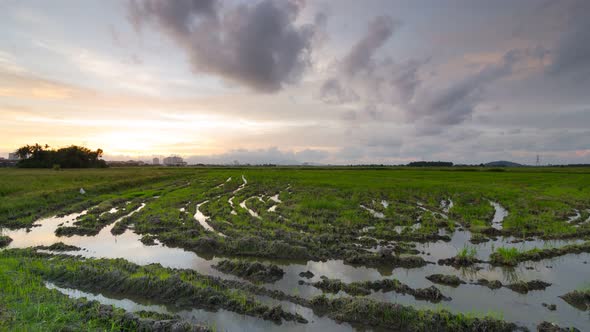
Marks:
<point>364,78</point>
<point>332,91</point>
<point>455,101</point>
<point>572,49</point>
<point>361,54</point>
<point>257,45</point>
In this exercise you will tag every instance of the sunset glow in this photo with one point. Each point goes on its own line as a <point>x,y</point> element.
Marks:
<point>404,81</point>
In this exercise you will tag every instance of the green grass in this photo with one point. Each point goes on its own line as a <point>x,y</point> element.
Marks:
<point>319,218</point>
<point>27,305</point>
<point>513,256</point>
<point>509,255</point>
<point>320,214</point>
<point>467,252</point>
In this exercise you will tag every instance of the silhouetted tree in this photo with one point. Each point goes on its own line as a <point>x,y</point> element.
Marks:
<point>37,156</point>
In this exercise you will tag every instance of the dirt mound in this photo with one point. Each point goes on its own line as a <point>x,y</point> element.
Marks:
<point>444,279</point>
<point>60,246</point>
<point>4,241</point>
<point>578,299</point>
<point>524,287</point>
<point>253,271</point>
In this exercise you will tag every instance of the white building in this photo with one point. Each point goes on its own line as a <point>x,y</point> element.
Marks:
<point>174,161</point>
<point>12,156</point>
<point>156,161</point>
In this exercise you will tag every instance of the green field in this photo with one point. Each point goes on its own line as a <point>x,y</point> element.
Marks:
<point>286,215</point>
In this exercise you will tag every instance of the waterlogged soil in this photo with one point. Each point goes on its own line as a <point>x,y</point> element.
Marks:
<point>525,309</point>
<point>390,267</point>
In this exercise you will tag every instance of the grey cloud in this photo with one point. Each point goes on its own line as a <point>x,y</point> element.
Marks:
<point>363,78</point>
<point>456,102</point>
<point>361,55</point>
<point>572,50</point>
<point>332,91</point>
<point>174,16</point>
<point>256,44</point>
<point>348,116</point>
<point>405,78</point>
<point>350,153</point>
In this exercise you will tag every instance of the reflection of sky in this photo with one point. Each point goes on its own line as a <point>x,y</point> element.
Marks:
<point>565,273</point>
<point>220,320</point>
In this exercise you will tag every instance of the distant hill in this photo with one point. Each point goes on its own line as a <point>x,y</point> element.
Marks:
<point>503,163</point>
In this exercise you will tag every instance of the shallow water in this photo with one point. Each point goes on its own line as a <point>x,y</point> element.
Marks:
<point>446,205</point>
<point>499,214</point>
<point>574,217</point>
<point>565,273</point>
<point>250,211</point>
<point>222,320</point>
<point>374,213</point>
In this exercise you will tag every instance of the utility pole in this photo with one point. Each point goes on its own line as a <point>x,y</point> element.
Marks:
<point>538,163</point>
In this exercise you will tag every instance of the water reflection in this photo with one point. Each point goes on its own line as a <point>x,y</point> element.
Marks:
<point>564,273</point>
<point>221,320</point>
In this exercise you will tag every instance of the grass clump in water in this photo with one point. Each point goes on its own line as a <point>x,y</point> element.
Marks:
<point>4,241</point>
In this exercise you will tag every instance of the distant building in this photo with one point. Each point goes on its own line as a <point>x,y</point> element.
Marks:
<point>13,156</point>
<point>7,162</point>
<point>156,161</point>
<point>174,161</point>
<point>128,163</point>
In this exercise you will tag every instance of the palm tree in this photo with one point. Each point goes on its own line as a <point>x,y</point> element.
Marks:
<point>24,152</point>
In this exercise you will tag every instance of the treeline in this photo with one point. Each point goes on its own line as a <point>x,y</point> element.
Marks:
<point>37,156</point>
<point>430,164</point>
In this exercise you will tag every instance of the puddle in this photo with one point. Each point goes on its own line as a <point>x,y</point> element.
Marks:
<point>421,207</point>
<point>244,183</point>
<point>585,221</point>
<point>374,213</point>
<point>275,198</point>
<point>574,217</point>
<point>565,273</point>
<point>220,320</point>
<point>499,214</point>
<point>202,219</point>
<point>446,205</point>
<point>107,245</point>
<point>250,211</point>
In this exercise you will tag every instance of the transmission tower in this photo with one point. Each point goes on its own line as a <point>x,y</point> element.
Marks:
<point>538,163</point>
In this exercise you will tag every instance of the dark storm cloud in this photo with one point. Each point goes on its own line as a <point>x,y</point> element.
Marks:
<point>256,44</point>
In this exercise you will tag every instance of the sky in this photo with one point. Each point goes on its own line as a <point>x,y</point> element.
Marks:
<point>318,81</point>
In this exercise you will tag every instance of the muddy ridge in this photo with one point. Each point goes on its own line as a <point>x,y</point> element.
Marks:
<point>97,275</point>
<point>4,241</point>
<point>523,287</point>
<point>139,321</point>
<point>253,271</point>
<point>445,279</point>
<point>59,246</point>
<point>334,286</point>
<point>396,317</point>
<point>578,299</point>
<point>538,254</point>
